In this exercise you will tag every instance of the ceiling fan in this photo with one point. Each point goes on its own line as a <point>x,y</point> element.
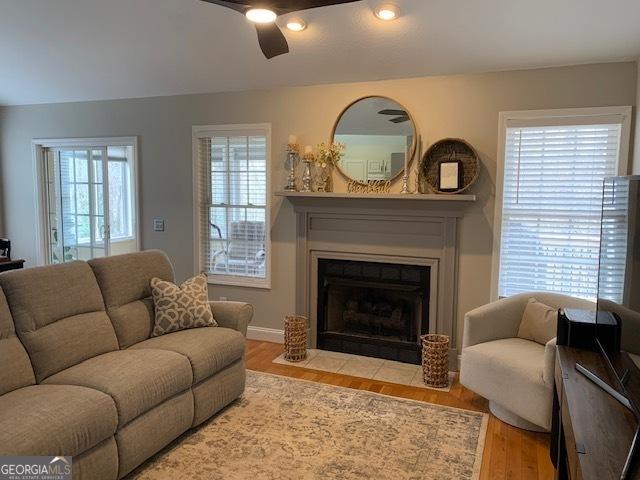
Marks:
<point>401,115</point>
<point>263,13</point>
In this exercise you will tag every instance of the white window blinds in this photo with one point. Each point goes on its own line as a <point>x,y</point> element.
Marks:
<point>552,200</point>
<point>234,246</point>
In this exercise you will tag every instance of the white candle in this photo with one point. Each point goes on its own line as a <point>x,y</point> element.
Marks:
<point>308,149</point>
<point>406,163</point>
<point>293,139</point>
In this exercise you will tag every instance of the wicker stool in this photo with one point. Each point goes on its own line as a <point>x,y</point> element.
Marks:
<point>295,338</point>
<point>435,360</point>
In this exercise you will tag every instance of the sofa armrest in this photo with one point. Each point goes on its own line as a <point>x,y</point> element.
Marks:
<point>494,321</point>
<point>548,371</point>
<point>235,315</point>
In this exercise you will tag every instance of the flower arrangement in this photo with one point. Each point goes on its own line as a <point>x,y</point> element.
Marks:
<point>329,154</point>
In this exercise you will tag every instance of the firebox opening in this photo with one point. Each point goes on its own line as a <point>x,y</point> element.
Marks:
<point>373,309</point>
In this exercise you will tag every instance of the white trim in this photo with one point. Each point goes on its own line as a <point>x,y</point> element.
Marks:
<point>565,116</point>
<point>37,147</point>
<point>204,131</point>
<point>265,334</point>
<point>86,142</point>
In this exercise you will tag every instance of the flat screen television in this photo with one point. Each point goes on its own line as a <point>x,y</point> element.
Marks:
<point>619,297</point>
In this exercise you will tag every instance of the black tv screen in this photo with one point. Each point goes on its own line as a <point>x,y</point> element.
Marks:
<point>619,279</point>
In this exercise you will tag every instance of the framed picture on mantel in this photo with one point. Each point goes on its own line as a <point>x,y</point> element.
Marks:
<point>450,176</point>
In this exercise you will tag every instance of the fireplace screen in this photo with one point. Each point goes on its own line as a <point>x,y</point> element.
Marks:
<point>373,309</point>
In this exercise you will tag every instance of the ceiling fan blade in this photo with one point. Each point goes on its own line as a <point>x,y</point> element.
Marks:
<point>401,113</point>
<point>238,7</point>
<point>399,120</point>
<point>294,5</point>
<point>271,39</point>
<point>283,6</point>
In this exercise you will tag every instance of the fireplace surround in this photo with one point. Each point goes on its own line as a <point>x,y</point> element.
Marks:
<point>394,229</point>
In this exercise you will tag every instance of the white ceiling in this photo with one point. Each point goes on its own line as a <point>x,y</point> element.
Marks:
<point>66,50</point>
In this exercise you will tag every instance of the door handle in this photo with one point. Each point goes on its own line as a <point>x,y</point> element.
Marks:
<point>104,232</point>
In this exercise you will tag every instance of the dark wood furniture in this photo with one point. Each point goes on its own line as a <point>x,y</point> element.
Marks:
<point>592,432</point>
<point>11,265</point>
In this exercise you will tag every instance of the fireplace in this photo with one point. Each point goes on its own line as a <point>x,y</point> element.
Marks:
<point>373,309</point>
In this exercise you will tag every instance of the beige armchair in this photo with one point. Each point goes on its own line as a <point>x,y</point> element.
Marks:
<point>514,374</point>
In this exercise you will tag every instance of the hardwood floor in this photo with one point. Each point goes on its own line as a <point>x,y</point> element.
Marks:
<point>509,453</point>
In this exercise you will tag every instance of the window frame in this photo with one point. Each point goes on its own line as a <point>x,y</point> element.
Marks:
<point>545,118</point>
<point>204,131</point>
<point>38,146</point>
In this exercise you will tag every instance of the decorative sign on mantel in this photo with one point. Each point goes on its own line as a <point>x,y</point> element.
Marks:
<point>372,186</point>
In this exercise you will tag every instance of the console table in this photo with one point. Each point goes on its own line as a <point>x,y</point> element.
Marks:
<point>591,431</point>
<point>11,265</point>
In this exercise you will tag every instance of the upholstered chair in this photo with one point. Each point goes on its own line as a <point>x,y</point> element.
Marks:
<point>514,374</point>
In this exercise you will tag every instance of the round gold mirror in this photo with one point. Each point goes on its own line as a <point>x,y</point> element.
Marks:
<point>379,137</point>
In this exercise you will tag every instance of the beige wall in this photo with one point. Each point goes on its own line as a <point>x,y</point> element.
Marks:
<point>463,106</point>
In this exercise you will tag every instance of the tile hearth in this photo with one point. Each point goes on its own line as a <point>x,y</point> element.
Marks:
<point>364,367</point>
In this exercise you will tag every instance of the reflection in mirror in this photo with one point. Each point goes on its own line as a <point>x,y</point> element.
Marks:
<point>619,272</point>
<point>379,136</point>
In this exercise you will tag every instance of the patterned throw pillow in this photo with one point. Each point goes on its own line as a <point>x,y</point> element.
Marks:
<point>179,308</point>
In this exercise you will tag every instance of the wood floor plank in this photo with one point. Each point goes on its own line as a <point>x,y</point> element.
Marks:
<point>509,453</point>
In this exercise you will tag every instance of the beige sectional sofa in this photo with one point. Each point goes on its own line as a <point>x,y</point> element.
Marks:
<point>80,375</point>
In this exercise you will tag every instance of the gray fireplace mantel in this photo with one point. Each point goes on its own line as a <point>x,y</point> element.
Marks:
<point>390,229</point>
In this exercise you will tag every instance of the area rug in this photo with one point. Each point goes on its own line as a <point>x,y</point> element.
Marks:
<point>287,429</point>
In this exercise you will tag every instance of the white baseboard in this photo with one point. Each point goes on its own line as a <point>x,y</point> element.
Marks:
<point>265,334</point>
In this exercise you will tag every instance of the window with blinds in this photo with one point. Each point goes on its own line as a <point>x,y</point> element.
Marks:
<point>233,205</point>
<point>552,206</point>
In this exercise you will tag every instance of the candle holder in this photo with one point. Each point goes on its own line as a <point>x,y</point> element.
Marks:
<point>405,183</point>
<point>293,157</point>
<point>306,175</point>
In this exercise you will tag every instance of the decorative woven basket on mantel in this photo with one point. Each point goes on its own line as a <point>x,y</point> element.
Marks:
<point>435,360</point>
<point>295,338</point>
<point>449,149</point>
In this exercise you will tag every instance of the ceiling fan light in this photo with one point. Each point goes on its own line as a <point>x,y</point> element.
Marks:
<point>387,12</point>
<point>261,15</point>
<point>296,25</point>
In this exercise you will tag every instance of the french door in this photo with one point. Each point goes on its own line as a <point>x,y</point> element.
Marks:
<point>87,189</point>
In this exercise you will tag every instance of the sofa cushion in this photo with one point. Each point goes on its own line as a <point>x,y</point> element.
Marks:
<point>137,380</point>
<point>12,353</point>
<point>509,372</point>
<point>209,349</point>
<point>125,284</point>
<point>181,307</point>
<point>59,315</point>
<point>55,420</point>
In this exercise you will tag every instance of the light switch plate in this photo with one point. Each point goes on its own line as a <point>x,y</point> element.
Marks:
<point>158,225</point>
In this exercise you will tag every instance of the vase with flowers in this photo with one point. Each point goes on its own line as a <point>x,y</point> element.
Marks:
<point>328,156</point>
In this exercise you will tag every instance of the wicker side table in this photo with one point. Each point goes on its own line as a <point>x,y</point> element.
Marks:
<point>435,360</point>
<point>295,338</point>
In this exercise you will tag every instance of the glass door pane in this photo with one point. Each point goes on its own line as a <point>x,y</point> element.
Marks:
<point>99,219</point>
<point>78,221</point>
<point>121,211</point>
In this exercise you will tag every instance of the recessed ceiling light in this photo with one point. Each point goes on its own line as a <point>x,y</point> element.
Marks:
<point>387,12</point>
<point>296,24</point>
<point>261,15</point>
